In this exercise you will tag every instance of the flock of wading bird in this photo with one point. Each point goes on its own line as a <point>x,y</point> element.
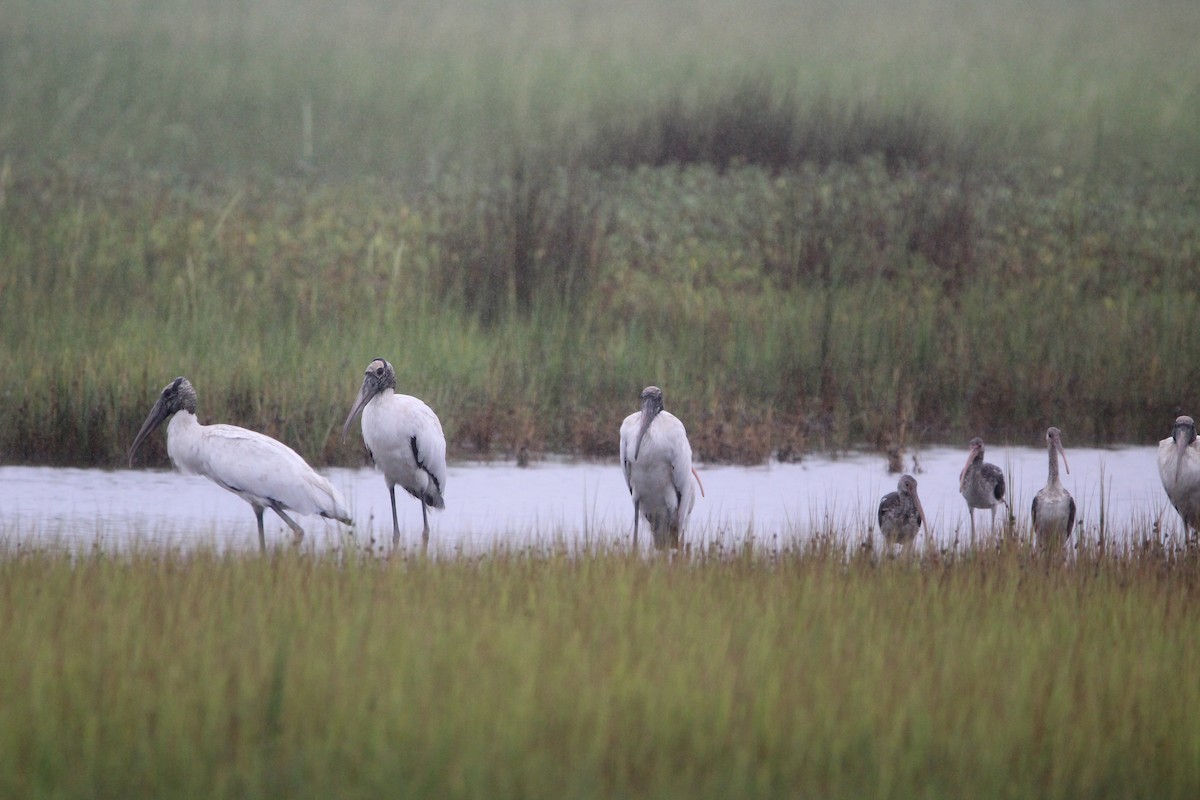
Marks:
<point>405,440</point>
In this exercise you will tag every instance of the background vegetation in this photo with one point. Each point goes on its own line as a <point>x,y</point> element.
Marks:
<point>815,226</point>
<point>596,673</point>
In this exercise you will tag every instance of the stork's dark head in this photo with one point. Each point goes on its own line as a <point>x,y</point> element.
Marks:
<point>1184,433</point>
<point>1054,442</point>
<point>974,453</point>
<point>378,377</point>
<point>975,447</point>
<point>1184,430</point>
<point>908,486</point>
<point>652,406</point>
<point>178,395</point>
<point>652,398</point>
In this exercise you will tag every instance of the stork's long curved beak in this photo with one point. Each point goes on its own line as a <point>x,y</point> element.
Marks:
<point>156,417</point>
<point>1181,446</point>
<point>1058,446</point>
<point>924,516</point>
<point>649,412</point>
<point>360,402</point>
<point>696,475</point>
<point>966,466</point>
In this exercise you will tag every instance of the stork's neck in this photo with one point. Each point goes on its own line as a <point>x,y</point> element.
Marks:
<point>183,437</point>
<point>181,420</point>
<point>1053,465</point>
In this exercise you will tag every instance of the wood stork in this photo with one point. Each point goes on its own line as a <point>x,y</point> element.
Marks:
<point>1179,468</point>
<point>981,485</point>
<point>405,440</point>
<point>656,459</point>
<point>900,512</point>
<point>1053,507</point>
<point>262,471</point>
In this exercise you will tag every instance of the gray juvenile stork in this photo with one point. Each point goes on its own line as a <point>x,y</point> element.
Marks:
<point>656,460</point>
<point>262,471</point>
<point>981,484</point>
<point>1179,468</point>
<point>1053,507</point>
<point>405,440</point>
<point>900,512</point>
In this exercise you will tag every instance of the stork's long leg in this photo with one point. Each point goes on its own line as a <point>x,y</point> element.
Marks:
<point>635,523</point>
<point>296,529</point>
<point>262,539</point>
<point>395,522</point>
<point>425,526</point>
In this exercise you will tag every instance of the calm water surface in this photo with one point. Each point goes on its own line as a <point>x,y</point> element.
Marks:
<point>500,503</point>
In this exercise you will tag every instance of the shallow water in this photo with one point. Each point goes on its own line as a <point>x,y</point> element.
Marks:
<point>499,503</point>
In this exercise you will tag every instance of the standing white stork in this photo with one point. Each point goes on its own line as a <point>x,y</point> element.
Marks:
<point>262,471</point>
<point>900,512</point>
<point>656,459</point>
<point>405,440</point>
<point>1053,507</point>
<point>1179,468</point>
<point>981,484</point>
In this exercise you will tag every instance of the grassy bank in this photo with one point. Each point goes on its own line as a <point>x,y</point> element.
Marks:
<point>598,674</point>
<point>814,227</point>
<point>812,309</point>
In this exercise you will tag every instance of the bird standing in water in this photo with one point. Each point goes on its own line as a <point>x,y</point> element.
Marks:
<point>264,472</point>
<point>1179,469</point>
<point>656,460</point>
<point>900,512</point>
<point>981,484</point>
<point>405,440</point>
<point>1053,507</point>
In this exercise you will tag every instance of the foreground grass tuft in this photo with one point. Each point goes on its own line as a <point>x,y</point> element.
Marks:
<point>597,674</point>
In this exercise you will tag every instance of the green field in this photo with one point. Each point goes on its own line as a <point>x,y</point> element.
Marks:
<point>594,673</point>
<point>815,227</point>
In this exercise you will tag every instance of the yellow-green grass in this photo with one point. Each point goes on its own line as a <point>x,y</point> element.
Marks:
<point>957,218</point>
<point>594,673</point>
<point>813,309</point>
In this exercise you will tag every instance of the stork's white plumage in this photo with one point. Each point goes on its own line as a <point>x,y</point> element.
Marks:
<point>656,459</point>
<point>1179,468</point>
<point>405,440</point>
<point>1053,509</point>
<point>262,471</point>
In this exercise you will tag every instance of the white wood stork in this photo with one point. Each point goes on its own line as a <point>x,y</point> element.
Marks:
<point>656,459</point>
<point>1179,468</point>
<point>981,484</point>
<point>1053,507</point>
<point>262,471</point>
<point>405,440</point>
<point>900,512</point>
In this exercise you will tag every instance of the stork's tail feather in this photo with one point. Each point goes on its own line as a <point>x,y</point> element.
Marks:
<point>337,508</point>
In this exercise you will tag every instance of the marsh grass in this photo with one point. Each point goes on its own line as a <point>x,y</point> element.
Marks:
<point>782,313</point>
<point>867,225</point>
<point>533,672</point>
